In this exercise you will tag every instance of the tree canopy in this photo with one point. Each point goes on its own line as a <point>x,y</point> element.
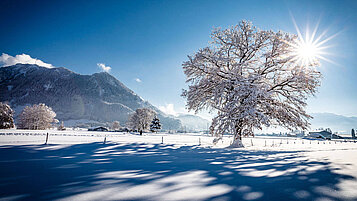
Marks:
<point>140,119</point>
<point>251,78</point>
<point>37,117</point>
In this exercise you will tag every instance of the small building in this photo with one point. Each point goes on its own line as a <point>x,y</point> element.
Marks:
<point>100,128</point>
<point>324,134</point>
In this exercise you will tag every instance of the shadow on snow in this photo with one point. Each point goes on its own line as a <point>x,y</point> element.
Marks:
<point>112,171</point>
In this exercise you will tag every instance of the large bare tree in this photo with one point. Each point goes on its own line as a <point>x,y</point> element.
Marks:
<point>37,117</point>
<point>251,78</point>
<point>115,125</point>
<point>140,120</point>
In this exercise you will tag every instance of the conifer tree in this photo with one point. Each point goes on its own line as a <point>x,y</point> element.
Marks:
<point>155,124</point>
<point>353,133</point>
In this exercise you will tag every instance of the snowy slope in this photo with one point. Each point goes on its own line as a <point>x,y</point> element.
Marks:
<point>98,97</point>
<point>337,123</point>
<point>193,122</point>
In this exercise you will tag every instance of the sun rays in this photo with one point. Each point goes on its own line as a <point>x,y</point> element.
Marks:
<point>310,47</point>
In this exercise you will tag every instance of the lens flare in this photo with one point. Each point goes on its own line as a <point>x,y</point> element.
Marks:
<point>309,49</point>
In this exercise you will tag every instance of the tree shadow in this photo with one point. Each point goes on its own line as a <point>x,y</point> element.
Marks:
<point>134,171</point>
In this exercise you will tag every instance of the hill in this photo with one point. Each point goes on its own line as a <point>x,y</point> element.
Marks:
<point>96,98</point>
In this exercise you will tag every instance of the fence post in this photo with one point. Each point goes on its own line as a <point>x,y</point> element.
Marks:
<point>265,143</point>
<point>105,139</point>
<point>251,140</point>
<point>46,138</point>
<point>199,141</point>
<point>162,139</point>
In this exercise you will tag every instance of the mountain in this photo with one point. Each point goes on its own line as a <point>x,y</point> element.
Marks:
<point>94,98</point>
<point>193,122</point>
<point>337,123</point>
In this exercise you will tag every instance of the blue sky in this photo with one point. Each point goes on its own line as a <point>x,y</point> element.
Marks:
<point>149,40</point>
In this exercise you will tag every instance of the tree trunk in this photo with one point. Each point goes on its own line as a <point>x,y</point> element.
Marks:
<point>237,140</point>
<point>141,132</point>
<point>237,143</point>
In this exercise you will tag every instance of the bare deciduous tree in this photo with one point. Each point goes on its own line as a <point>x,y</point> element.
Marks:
<point>37,117</point>
<point>252,79</point>
<point>6,116</point>
<point>141,119</point>
<point>115,125</point>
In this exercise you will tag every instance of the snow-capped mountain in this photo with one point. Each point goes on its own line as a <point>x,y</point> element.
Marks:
<point>193,122</point>
<point>97,98</point>
<point>337,123</point>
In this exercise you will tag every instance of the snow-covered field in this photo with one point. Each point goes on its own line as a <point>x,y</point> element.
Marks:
<point>77,165</point>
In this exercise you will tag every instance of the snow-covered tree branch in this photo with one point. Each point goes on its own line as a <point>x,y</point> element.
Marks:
<point>6,116</point>
<point>141,119</point>
<point>37,117</point>
<point>115,125</point>
<point>252,79</point>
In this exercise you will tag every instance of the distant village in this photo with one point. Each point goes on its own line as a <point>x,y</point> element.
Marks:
<point>320,133</point>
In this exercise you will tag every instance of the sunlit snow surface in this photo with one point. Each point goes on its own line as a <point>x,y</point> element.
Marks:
<point>77,165</point>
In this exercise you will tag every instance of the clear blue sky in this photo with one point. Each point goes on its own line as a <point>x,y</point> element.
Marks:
<point>149,40</point>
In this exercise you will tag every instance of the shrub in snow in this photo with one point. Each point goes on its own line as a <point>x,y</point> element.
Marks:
<point>251,78</point>
<point>37,117</point>
<point>6,116</point>
<point>140,119</point>
<point>155,124</point>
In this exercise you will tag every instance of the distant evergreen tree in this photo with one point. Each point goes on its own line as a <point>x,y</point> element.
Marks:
<point>353,133</point>
<point>155,124</point>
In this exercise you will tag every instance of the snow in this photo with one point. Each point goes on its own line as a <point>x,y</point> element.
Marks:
<point>74,122</point>
<point>9,87</point>
<point>48,86</point>
<point>76,165</point>
<point>122,105</point>
<point>24,96</point>
<point>101,91</point>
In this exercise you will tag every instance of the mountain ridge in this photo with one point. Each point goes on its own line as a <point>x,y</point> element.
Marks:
<point>97,97</point>
<point>336,122</point>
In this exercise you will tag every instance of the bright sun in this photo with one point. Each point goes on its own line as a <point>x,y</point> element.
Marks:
<point>310,49</point>
<point>307,52</point>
